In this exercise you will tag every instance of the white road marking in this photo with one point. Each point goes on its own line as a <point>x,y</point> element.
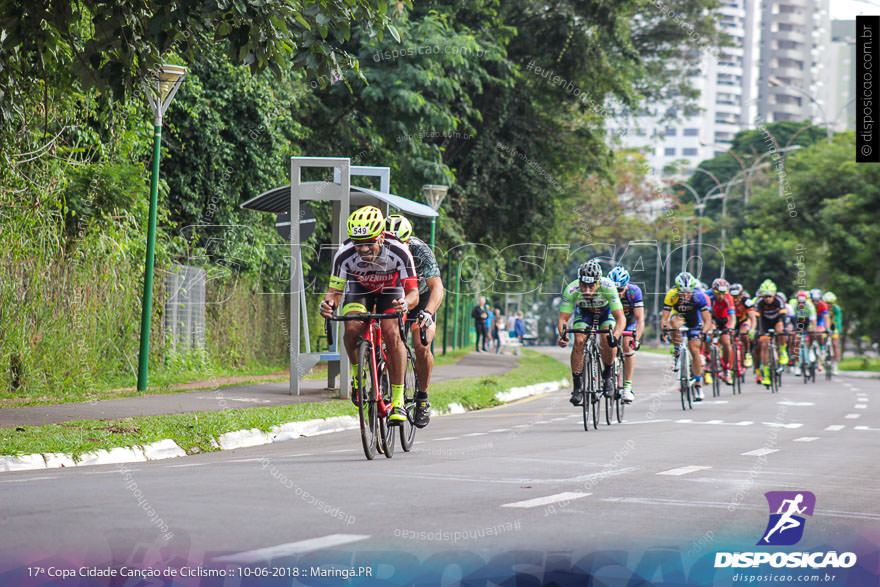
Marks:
<point>806,439</point>
<point>791,403</point>
<point>715,422</point>
<point>291,548</point>
<point>186,465</point>
<point>342,450</point>
<point>475,434</point>
<point>835,427</point>
<point>242,460</point>
<point>744,423</point>
<point>647,421</point>
<point>446,438</point>
<point>683,470</point>
<point>860,406</point>
<point>718,401</point>
<point>524,425</point>
<point>539,501</point>
<point>683,421</point>
<point>866,428</point>
<point>500,430</point>
<point>759,452</point>
<point>852,416</point>
<point>791,425</point>
<point>542,422</point>
<point>33,479</point>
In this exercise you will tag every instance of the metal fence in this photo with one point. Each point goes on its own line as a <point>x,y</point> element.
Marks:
<point>185,308</point>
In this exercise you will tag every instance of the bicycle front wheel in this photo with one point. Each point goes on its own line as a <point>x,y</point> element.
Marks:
<point>716,373</point>
<point>410,388</point>
<point>367,406</point>
<point>609,399</point>
<point>618,402</point>
<point>386,430</point>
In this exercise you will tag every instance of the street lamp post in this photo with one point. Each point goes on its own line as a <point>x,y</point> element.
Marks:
<point>434,195</point>
<point>776,82</point>
<point>160,91</point>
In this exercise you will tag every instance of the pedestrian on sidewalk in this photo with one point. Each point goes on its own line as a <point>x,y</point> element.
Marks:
<point>497,325</point>
<point>519,328</point>
<point>480,314</point>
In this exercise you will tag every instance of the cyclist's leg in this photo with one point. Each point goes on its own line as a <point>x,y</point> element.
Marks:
<point>357,300</point>
<point>395,350</point>
<point>424,360</point>
<point>581,320</point>
<point>629,363</point>
<point>607,353</point>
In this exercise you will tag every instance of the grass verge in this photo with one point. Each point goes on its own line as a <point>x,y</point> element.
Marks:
<point>195,432</point>
<point>859,364</point>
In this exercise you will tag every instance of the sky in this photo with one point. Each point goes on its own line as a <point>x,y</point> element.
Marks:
<point>849,9</point>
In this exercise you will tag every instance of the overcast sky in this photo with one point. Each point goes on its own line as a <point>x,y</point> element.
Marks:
<point>849,9</point>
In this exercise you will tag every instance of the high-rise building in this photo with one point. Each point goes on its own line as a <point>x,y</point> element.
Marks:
<point>795,37</point>
<point>727,103</point>
<point>841,90</point>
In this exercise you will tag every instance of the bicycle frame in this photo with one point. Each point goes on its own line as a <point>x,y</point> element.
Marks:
<point>684,357</point>
<point>591,347</point>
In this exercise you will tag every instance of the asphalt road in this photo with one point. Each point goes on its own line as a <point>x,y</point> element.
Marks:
<point>524,477</point>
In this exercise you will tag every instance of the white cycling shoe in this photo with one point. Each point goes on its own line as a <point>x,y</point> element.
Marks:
<point>627,395</point>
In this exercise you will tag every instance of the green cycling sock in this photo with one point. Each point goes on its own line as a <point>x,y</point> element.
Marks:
<point>397,395</point>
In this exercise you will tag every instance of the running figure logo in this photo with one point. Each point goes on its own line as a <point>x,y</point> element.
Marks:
<point>786,525</point>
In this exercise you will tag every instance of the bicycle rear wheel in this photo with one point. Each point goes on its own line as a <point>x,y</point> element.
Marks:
<point>587,388</point>
<point>684,383</point>
<point>609,400</point>
<point>597,385</point>
<point>737,369</point>
<point>827,362</point>
<point>774,369</point>
<point>618,402</point>
<point>410,388</point>
<point>367,407</point>
<point>715,370</point>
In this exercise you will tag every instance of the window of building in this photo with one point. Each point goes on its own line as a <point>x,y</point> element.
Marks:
<point>689,152</point>
<point>669,151</point>
<point>670,131</point>
<point>691,132</point>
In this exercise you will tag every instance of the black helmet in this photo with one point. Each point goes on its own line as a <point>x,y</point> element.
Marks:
<point>590,272</point>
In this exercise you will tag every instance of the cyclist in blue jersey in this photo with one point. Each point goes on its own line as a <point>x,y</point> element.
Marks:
<point>686,304</point>
<point>634,311</point>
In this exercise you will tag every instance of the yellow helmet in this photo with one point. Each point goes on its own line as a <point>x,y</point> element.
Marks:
<point>365,224</point>
<point>399,226</point>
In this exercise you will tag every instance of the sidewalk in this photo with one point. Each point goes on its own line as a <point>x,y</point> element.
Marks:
<point>236,397</point>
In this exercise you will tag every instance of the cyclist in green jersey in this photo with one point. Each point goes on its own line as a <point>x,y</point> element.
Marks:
<point>594,300</point>
<point>836,325</point>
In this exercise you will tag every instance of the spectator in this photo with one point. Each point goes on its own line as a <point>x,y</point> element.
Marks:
<point>480,314</point>
<point>519,328</point>
<point>497,325</point>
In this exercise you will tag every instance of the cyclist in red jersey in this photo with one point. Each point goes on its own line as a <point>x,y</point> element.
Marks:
<point>724,315</point>
<point>745,319</point>
<point>822,320</point>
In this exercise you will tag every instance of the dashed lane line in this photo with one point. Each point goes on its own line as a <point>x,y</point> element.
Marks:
<point>291,548</point>
<point>539,501</point>
<point>683,470</point>
<point>759,452</point>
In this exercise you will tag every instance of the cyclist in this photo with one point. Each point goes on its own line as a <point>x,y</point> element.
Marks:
<point>634,310</point>
<point>382,274</point>
<point>745,319</point>
<point>822,320</point>
<point>724,315</point>
<point>835,325</point>
<point>431,294</point>
<point>595,301</point>
<point>770,308</point>
<point>805,320</point>
<point>686,303</point>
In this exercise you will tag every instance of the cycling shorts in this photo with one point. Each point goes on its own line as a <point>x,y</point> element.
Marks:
<point>694,323</point>
<point>585,318</point>
<point>720,323</point>
<point>765,324</point>
<point>360,299</point>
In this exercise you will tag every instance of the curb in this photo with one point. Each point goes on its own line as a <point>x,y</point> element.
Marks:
<point>860,374</point>
<point>167,448</point>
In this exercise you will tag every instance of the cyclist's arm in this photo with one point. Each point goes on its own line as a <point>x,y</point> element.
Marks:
<point>664,318</point>
<point>619,322</point>
<point>563,320</point>
<point>639,313</point>
<point>436,296</point>
<point>330,302</point>
<point>411,297</point>
<point>707,320</point>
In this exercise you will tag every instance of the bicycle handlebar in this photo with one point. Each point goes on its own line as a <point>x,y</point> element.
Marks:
<point>566,330</point>
<point>363,317</point>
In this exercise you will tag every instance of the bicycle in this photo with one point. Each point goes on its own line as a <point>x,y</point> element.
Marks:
<point>713,364</point>
<point>411,387</point>
<point>374,386</point>
<point>807,356</point>
<point>775,368</point>
<point>619,405</point>
<point>828,358</point>
<point>686,383</point>
<point>738,364</point>
<point>591,380</point>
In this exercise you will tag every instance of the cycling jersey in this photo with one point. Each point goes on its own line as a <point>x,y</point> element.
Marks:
<point>425,263</point>
<point>742,308</point>
<point>805,312</point>
<point>605,296</point>
<point>696,304</point>
<point>723,310</point>
<point>821,313</point>
<point>836,318</point>
<point>394,266</point>
<point>631,299</point>
<point>771,310</point>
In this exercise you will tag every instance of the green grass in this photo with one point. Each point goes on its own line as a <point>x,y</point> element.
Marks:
<point>859,364</point>
<point>195,432</point>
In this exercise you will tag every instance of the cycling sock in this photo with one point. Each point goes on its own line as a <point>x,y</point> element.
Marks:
<point>628,384</point>
<point>354,379</point>
<point>765,370</point>
<point>397,394</point>
<point>606,371</point>
<point>577,379</point>
<point>421,395</point>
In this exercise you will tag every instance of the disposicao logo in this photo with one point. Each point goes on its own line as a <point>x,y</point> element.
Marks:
<point>786,524</point>
<point>785,528</point>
